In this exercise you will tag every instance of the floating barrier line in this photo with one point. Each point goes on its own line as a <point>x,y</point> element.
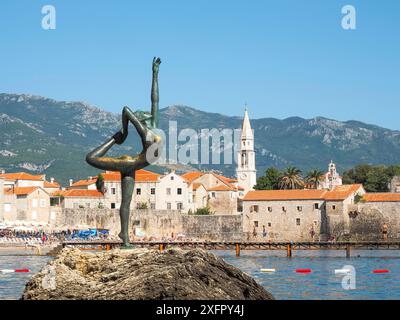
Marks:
<point>14,270</point>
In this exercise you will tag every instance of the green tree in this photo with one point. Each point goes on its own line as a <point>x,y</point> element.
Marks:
<point>377,179</point>
<point>100,184</point>
<point>373,178</point>
<point>313,177</point>
<point>291,179</point>
<point>205,211</point>
<point>270,181</point>
<point>356,175</point>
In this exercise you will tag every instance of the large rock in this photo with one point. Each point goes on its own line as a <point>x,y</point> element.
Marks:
<point>141,274</point>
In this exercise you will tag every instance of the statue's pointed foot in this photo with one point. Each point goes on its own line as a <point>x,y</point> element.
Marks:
<point>125,241</point>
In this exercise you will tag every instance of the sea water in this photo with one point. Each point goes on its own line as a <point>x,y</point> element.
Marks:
<point>284,283</point>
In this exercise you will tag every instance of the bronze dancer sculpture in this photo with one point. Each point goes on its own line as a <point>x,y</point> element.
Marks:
<point>145,124</point>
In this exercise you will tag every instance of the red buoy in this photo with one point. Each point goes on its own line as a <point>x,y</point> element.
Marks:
<point>21,270</point>
<point>303,270</point>
<point>381,271</point>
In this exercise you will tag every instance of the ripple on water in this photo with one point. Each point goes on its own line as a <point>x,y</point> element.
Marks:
<point>285,283</point>
<point>12,284</point>
<point>322,283</point>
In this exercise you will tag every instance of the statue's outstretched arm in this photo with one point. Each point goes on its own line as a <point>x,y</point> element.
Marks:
<point>154,93</point>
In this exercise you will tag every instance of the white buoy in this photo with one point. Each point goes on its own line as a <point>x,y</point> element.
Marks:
<point>267,270</point>
<point>342,271</point>
<point>7,271</point>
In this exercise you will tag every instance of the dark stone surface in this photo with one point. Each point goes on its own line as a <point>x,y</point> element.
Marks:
<point>142,274</point>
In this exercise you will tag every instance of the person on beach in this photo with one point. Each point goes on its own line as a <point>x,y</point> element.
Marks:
<point>385,232</point>
<point>254,232</point>
<point>264,232</point>
<point>312,232</point>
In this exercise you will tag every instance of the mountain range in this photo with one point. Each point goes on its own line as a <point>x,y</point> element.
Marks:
<point>42,135</point>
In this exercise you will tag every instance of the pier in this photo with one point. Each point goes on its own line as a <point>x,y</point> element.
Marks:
<point>238,246</point>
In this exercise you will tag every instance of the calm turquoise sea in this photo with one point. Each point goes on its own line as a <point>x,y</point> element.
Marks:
<point>285,283</point>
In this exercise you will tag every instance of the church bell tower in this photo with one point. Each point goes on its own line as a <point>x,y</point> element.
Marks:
<point>246,167</point>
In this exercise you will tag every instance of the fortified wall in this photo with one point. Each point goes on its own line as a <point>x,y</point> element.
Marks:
<point>157,223</point>
<point>367,221</point>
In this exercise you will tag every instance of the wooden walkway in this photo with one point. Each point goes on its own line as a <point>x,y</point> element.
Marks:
<point>289,247</point>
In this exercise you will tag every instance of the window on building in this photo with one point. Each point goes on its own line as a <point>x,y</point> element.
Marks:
<point>53,215</point>
<point>34,203</point>
<point>152,206</point>
<point>112,205</point>
<point>138,191</point>
<point>284,209</point>
<point>153,190</point>
<point>298,221</point>
<point>254,208</point>
<point>172,177</point>
<point>212,194</point>
<point>138,205</point>
<point>269,224</point>
<point>34,215</point>
<point>168,205</point>
<point>43,203</point>
<point>316,206</point>
<point>269,209</point>
<point>256,224</point>
<point>179,191</point>
<point>333,207</point>
<point>168,191</point>
<point>299,208</point>
<point>179,206</point>
<point>7,207</point>
<point>113,191</point>
<point>88,205</point>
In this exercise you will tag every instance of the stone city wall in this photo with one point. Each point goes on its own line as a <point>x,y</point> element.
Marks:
<point>367,223</point>
<point>156,223</point>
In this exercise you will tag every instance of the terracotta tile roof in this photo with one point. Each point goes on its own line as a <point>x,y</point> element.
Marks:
<point>78,193</point>
<point>19,191</point>
<point>382,197</point>
<point>342,192</point>
<point>141,176</point>
<point>196,186</point>
<point>284,195</point>
<point>48,184</point>
<point>225,179</point>
<point>338,193</point>
<point>190,176</point>
<point>82,183</point>
<point>21,176</point>
<point>221,188</point>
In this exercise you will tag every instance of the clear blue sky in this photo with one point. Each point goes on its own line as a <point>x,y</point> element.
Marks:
<point>284,58</point>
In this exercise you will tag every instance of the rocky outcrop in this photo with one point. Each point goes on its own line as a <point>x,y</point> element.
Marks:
<point>141,274</point>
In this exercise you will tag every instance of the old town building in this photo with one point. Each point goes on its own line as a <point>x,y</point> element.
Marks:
<point>298,214</point>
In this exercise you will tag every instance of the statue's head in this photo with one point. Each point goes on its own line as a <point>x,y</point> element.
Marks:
<point>144,117</point>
